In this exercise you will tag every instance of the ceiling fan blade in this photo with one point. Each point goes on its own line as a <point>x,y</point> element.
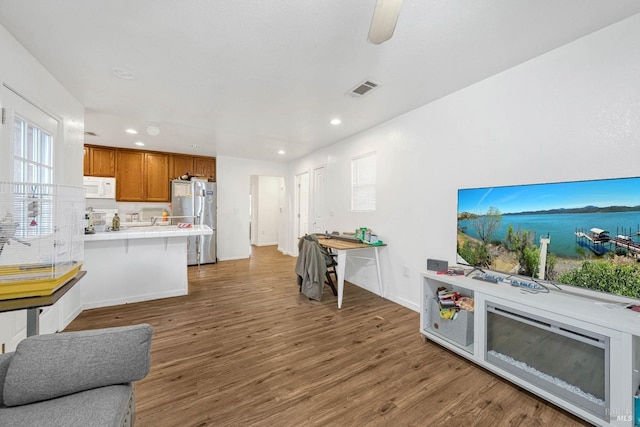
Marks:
<point>384,20</point>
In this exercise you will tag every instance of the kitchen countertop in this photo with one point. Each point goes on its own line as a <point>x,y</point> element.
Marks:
<point>148,232</point>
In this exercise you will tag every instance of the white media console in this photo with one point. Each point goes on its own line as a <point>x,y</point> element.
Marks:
<point>579,353</point>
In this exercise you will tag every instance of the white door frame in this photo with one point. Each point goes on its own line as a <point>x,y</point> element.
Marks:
<point>301,206</point>
<point>319,223</point>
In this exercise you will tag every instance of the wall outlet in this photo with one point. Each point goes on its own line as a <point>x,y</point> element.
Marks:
<point>405,271</point>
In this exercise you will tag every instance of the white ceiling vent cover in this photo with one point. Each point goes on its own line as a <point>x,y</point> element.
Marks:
<point>363,88</point>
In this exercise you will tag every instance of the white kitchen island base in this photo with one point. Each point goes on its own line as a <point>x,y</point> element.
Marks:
<point>132,267</point>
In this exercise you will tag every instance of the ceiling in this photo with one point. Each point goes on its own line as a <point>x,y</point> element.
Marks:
<point>247,78</point>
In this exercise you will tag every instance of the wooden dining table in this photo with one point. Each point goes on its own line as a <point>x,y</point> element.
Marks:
<point>343,246</point>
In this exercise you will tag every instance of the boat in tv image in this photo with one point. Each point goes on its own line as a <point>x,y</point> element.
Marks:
<point>582,233</point>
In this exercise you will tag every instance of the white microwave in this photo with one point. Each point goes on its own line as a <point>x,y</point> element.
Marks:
<point>100,187</point>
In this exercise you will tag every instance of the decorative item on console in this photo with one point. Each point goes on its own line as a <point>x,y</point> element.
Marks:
<point>450,303</point>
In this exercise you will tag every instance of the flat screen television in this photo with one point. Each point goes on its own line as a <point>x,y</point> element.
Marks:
<point>584,233</point>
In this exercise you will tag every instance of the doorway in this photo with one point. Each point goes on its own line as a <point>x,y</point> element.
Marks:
<point>267,200</point>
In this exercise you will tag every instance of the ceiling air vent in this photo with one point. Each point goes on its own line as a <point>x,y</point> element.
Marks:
<point>363,88</point>
<point>89,133</point>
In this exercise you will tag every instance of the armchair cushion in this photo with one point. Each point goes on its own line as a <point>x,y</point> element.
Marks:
<point>48,366</point>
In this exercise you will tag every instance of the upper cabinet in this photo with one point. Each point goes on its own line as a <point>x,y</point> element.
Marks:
<point>157,177</point>
<point>144,176</point>
<point>205,167</point>
<point>180,164</point>
<point>87,164</point>
<point>199,166</point>
<point>130,179</point>
<point>99,161</point>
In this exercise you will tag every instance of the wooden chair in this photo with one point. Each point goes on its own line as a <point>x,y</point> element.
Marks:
<point>331,269</point>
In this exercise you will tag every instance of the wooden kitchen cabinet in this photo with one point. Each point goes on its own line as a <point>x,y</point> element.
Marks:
<point>130,177</point>
<point>205,167</point>
<point>87,167</point>
<point>144,176</point>
<point>99,161</point>
<point>157,177</point>
<point>179,165</point>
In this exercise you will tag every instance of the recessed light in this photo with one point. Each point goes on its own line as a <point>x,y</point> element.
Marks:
<point>336,122</point>
<point>122,73</point>
<point>139,143</point>
<point>280,151</point>
<point>131,131</point>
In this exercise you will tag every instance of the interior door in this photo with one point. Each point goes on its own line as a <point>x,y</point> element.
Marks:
<point>302,205</point>
<point>319,207</point>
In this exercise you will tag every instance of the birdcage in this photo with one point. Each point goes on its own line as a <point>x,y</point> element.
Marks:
<point>41,237</point>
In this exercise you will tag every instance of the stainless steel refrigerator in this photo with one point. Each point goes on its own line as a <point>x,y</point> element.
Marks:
<point>196,198</point>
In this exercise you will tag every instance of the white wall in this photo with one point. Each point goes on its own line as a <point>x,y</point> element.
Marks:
<point>234,182</point>
<point>571,114</point>
<point>20,71</point>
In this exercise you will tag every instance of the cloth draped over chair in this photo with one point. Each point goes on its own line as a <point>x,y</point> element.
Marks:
<point>311,266</point>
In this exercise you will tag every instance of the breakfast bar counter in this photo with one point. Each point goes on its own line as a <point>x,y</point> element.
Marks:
<point>136,264</point>
<point>147,232</point>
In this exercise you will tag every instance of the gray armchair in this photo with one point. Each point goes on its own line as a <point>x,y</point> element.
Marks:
<point>74,378</point>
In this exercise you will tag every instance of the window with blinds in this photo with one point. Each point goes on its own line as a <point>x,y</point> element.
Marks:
<point>363,183</point>
<point>32,153</point>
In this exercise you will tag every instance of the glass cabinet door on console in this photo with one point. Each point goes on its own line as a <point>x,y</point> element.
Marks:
<point>568,362</point>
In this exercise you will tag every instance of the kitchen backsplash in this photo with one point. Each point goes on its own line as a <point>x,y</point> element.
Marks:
<point>144,210</point>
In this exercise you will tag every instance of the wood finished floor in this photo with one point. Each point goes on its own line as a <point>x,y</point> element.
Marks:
<point>244,348</point>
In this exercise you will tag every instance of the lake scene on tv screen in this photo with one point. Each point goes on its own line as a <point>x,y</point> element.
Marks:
<point>583,233</point>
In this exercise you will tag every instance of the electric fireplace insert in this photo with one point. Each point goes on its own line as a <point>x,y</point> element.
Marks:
<point>563,360</point>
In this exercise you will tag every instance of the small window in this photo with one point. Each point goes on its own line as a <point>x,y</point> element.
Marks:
<point>32,166</point>
<point>32,153</point>
<point>363,183</point>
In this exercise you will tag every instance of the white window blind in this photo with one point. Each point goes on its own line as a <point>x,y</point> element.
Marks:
<point>363,183</point>
<point>32,153</point>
